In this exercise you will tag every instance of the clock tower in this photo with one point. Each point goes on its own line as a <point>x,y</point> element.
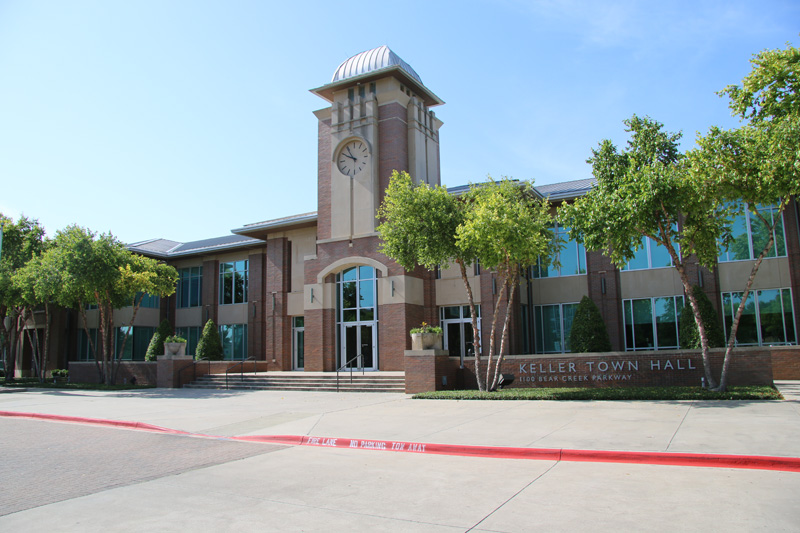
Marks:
<point>358,303</point>
<point>378,121</point>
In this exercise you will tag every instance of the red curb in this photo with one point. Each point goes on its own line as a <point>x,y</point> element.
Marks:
<point>94,421</point>
<point>757,462</point>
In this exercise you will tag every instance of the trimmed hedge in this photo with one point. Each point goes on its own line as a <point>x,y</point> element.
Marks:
<point>209,346</point>
<point>589,333</point>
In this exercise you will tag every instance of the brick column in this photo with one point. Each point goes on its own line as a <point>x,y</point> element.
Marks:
<point>791,224</point>
<point>278,338</point>
<point>210,291</point>
<point>605,292</point>
<point>256,306</point>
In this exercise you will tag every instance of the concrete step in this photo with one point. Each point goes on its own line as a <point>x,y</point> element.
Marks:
<point>297,381</point>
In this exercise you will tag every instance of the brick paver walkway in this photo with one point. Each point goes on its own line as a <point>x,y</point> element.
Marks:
<point>44,462</point>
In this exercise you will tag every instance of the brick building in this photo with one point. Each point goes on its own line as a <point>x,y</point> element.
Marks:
<point>311,292</point>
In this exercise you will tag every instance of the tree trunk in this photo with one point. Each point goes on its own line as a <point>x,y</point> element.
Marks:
<point>698,319</point>
<point>476,334</point>
<point>492,341</point>
<point>723,380</point>
<point>92,345</point>
<point>511,285</point>
<point>136,306</point>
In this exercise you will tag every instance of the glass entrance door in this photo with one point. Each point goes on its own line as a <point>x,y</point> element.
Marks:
<point>358,340</point>
<point>357,318</point>
<point>298,343</point>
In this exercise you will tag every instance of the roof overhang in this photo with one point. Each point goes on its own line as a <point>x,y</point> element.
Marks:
<point>326,91</point>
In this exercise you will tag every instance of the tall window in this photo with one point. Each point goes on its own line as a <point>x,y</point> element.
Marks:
<point>751,235</point>
<point>234,341</point>
<point>136,339</point>
<point>84,346</point>
<point>768,317</point>
<point>456,323</point>
<point>190,287</point>
<point>652,323</point>
<point>572,257</point>
<point>192,336</point>
<point>650,255</point>
<point>552,325</point>
<point>356,294</point>
<point>233,282</point>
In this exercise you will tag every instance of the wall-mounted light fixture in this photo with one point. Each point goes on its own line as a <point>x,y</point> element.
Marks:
<point>312,295</point>
<point>273,301</point>
<point>254,309</point>
<point>699,276</point>
<point>393,288</point>
<point>494,285</point>
<point>603,285</point>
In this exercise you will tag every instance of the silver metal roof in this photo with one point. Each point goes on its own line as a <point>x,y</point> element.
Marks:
<point>566,189</point>
<point>371,60</point>
<point>164,248</point>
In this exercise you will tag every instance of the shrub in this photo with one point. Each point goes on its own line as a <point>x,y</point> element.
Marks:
<point>688,333</point>
<point>209,346</point>
<point>589,332</point>
<point>174,338</point>
<point>156,346</point>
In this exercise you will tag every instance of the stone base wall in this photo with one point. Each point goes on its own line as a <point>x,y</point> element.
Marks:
<point>786,362</point>
<point>166,373</point>
<point>427,370</point>
<point>750,366</point>
<point>86,372</point>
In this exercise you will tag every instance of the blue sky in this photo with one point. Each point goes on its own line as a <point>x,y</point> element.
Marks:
<point>184,119</point>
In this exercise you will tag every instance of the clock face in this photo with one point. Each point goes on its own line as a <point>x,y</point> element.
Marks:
<point>353,158</point>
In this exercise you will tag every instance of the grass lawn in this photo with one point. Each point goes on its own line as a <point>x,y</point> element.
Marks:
<point>621,393</point>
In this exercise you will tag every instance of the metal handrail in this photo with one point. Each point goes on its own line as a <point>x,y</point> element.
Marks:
<point>360,358</point>
<point>194,369</point>
<point>241,364</point>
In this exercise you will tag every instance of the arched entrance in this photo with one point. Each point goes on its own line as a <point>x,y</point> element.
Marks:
<point>357,318</point>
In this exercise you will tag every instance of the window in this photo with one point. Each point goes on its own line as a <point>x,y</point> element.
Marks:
<point>233,282</point>
<point>572,257</point>
<point>652,323</point>
<point>356,294</point>
<point>767,319</point>
<point>138,339</point>
<point>650,255</point>
<point>456,324</point>
<point>552,326</point>
<point>190,286</point>
<point>751,235</point>
<point>234,341</point>
<point>148,301</point>
<point>192,336</point>
<point>84,346</point>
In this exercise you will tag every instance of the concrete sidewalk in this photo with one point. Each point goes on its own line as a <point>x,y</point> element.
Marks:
<point>65,477</point>
<point>729,427</point>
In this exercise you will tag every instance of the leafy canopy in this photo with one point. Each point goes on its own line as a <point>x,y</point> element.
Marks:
<point>643,191</point>
<point>418,224</point>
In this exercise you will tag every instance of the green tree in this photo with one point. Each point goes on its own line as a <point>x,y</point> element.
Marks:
<point>759,163</point>
<point>22,241</point>
<point>99,270</point>
<point>156,346</point>
<point>646,191</point>
<point>588,333</point>
<point>687,328</point>
<point>38,284</point>
<point>209,346</point>
<point>503,224</point>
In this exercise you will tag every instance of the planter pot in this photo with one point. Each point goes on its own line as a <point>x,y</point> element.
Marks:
<point>174,348</point>
<point>426,341</point>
